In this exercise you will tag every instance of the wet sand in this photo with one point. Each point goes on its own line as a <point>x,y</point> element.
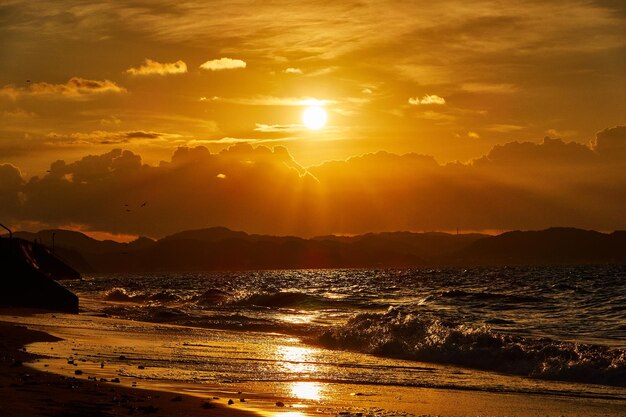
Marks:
<point>25,391</point>
<point>66,352</point>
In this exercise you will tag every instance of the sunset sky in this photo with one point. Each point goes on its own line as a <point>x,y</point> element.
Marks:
<point>436,115</point>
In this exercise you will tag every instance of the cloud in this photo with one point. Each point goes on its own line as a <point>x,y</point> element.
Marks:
<point>16,114</point>
<point>76,87</point>
<point>611,140</point>
<point>150,67</point>
<point>519,185</point>
<point>11,184</point>
<point>473,135</point>
<point>234,141</point>
<point>502,88</point>
<point>548,155</point>
<point>504,128</point>
<point>261,127</point>
<point>427,99</point>
<point>110,121</point>
<point>223,64</point>
<point>221,141</point>
<point>439,118</point>
<point>273,101</point>
<point>105,137</point>
<point>293,71</point>
<point>10,177</point>
<point>555,133</point>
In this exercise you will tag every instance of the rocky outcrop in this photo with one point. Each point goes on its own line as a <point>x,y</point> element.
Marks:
<point>27,277</point>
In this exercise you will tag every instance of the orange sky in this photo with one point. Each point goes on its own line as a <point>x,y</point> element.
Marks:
<point>449,80</point>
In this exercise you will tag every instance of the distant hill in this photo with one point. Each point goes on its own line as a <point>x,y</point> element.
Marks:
<point>78,241</point>
<point>220,248</point>
<point>556,245</point>
<point>424,245</point>
<point>81,251</point>
<point>212,234</point>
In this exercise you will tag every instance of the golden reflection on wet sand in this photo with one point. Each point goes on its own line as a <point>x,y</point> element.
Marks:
<point>297,359</point>
<point>290,414</point>
<point>300,360</point>
<point>307,390</point>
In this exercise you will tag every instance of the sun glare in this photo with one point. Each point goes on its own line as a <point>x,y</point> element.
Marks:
<point>314,117</point>
<point>306,390</point>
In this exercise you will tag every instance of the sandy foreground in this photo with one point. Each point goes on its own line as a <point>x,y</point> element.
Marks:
<point>64,366</point>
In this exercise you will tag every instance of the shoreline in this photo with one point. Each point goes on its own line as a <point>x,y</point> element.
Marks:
<point>26,391</point>
<point>51,386</point>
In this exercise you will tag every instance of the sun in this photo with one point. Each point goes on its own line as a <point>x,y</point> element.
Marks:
<point>314,117</point>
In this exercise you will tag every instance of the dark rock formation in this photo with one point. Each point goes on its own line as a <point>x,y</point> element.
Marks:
<point>27,274</point>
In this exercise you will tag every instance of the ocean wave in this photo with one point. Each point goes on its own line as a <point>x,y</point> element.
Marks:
<point>122,295</point>
<point>155,314</point>
<point>286,299</point>
<point>486,296</point>
<point>411,335</point>
<point>211,297</point>
<point>227,321</point>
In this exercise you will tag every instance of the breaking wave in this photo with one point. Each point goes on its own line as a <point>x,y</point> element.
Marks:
<point>411,335</point>
<point>124,296</point>
<point>286,299</point>
<point>216,297</point>
<point>488,296</point>
<point>211,297</point>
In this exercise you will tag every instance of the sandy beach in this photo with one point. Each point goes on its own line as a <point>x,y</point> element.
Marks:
<point>26,391</point>
<point>53,364</point>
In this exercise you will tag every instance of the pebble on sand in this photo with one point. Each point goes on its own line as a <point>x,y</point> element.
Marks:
<point>280,404</point>
<point>231,402</point>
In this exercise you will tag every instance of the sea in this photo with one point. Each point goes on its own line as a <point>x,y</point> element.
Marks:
<point>553,329</point>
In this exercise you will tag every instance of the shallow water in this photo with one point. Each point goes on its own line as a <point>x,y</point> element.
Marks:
<point>560,323</point>
<point>266,367</point>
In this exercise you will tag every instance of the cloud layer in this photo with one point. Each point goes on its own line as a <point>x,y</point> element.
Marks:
<point>517,185</point>
<point>76,87</point>
<point>503,70</point>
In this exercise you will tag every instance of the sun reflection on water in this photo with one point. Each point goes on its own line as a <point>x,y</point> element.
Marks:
<point>290,414</point>
<point>306,390</point>
<point>297,359</point>
<point>301,361</point>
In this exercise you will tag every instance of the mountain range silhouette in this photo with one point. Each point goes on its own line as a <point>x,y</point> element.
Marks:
<point>219,248</point>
